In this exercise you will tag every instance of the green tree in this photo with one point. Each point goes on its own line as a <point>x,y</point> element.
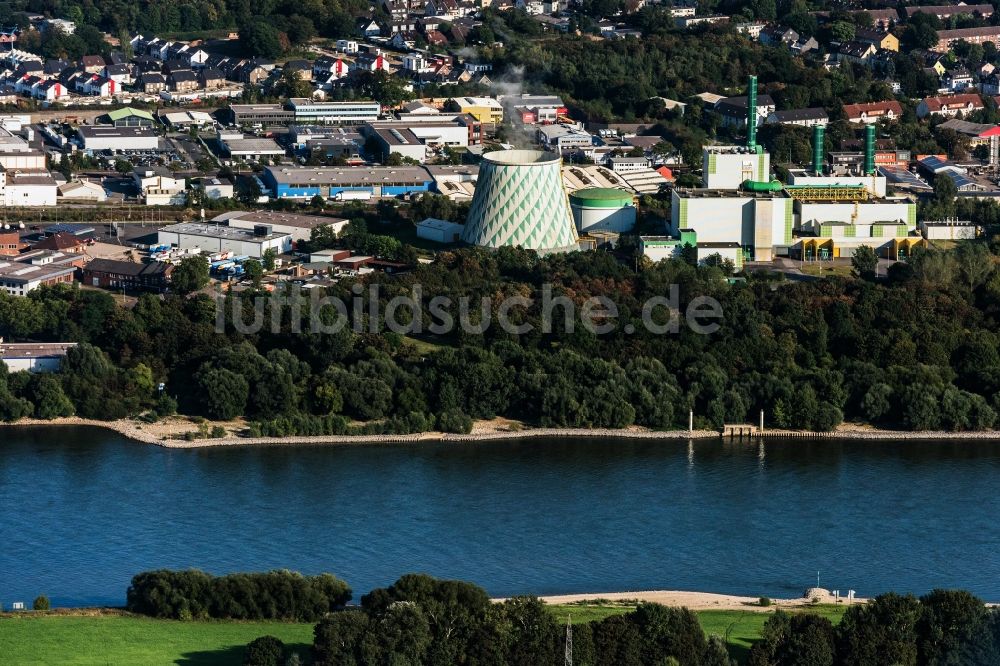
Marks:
<point>254,271</point>
<point>259,37</point>
<point>124,167</point>
<point>190,275</point>
<point>882,631</point>
<point>49,398</point>
<point>864,262</point>
<point>384,88</point>
<point>264,651</point>
<point>223,393</point>
<point>948,621</point>
<point>41,603</point>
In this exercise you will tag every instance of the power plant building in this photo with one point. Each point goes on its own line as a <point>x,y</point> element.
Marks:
<point>758,221</point>
<point>727,167</point>
<point>520,201</point>
<point>603,209</point>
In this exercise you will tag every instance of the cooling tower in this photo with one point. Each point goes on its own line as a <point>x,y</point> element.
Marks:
<point>520,200</point>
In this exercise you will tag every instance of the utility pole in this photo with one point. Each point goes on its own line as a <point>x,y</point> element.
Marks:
<point>569,641</point>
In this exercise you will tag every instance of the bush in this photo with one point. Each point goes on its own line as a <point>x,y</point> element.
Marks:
<point>764,602</point>
<point>275,595</point>
<point>264,651</point>
<point>41,603</point>
<point>217,432</point>
<point>453,420</point>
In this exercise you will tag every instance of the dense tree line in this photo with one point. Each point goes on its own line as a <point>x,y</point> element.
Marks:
<point>917,350</point>
<point>275,595</point>
<point>422,620</point>
<point>942,627</point>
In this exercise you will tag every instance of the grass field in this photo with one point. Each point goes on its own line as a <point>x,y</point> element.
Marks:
<point>126,641</point>
<point>48,640</point>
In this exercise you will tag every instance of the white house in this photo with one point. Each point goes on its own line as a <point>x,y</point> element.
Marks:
<point>159,187</point>
<point>439,231</point>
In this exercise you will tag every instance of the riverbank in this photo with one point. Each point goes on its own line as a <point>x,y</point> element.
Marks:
<point>701,601</point>
<point>170,432</point>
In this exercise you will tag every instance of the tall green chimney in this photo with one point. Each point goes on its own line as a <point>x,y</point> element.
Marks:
<point>869,165</point>
<point>752,113</point>
<point>818,131</point>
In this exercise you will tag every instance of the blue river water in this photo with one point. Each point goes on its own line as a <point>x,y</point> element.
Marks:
<point>82,510</point>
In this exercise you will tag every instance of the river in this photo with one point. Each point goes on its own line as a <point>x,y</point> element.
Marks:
<point>82,510</point>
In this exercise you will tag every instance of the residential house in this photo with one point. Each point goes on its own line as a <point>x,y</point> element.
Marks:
<point>734,110</point>
<point>300,68</point>
<point>948,38</point>
<point>958,79</point>
<point>949,105</point>
<point>92,64</point>
<point>120,74</point>
<point>800,117</point>
<point>775,35</point>
<point>751,29</point>
<point>249,72</point>
<point>371,62</point>
<point>183,81</point>
<point>397,25</point>
<point>990,85</point>
<point>880,40</point>
<point>50,91</point>
<point>803,46</point>
<point>54,67</point>
<point>326,70</point>
<point>436,38</point>
<point>211,79</point>
<point>872,112</point>
<point>857,52</point>
<point>152,83</point>
<point>945,12</point>
<point>198,58</point>
<point>369,28</point>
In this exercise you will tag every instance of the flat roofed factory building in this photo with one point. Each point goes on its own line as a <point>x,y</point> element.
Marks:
<point>214,238</point>
<point>119,138</point>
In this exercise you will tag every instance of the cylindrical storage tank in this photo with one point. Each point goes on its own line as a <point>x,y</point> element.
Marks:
<point>520,201</point>
<point>602,209</point>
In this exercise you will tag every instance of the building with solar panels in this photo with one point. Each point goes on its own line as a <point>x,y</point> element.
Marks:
<point>941,168</point>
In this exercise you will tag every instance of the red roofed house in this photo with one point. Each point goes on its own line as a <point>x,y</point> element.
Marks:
<point>872,112</point>
<point>665,172</point>
<point>61,241</point>
<point>436,38</point>
<point>949,105</point>
<point>947,38</point>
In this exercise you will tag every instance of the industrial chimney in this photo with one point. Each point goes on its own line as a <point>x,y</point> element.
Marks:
<point>818,131</point>
<point>752,113</point>
<point>869,165</point>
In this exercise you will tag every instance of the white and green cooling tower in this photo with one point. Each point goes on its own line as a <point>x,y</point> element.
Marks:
<point>520,200</point>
